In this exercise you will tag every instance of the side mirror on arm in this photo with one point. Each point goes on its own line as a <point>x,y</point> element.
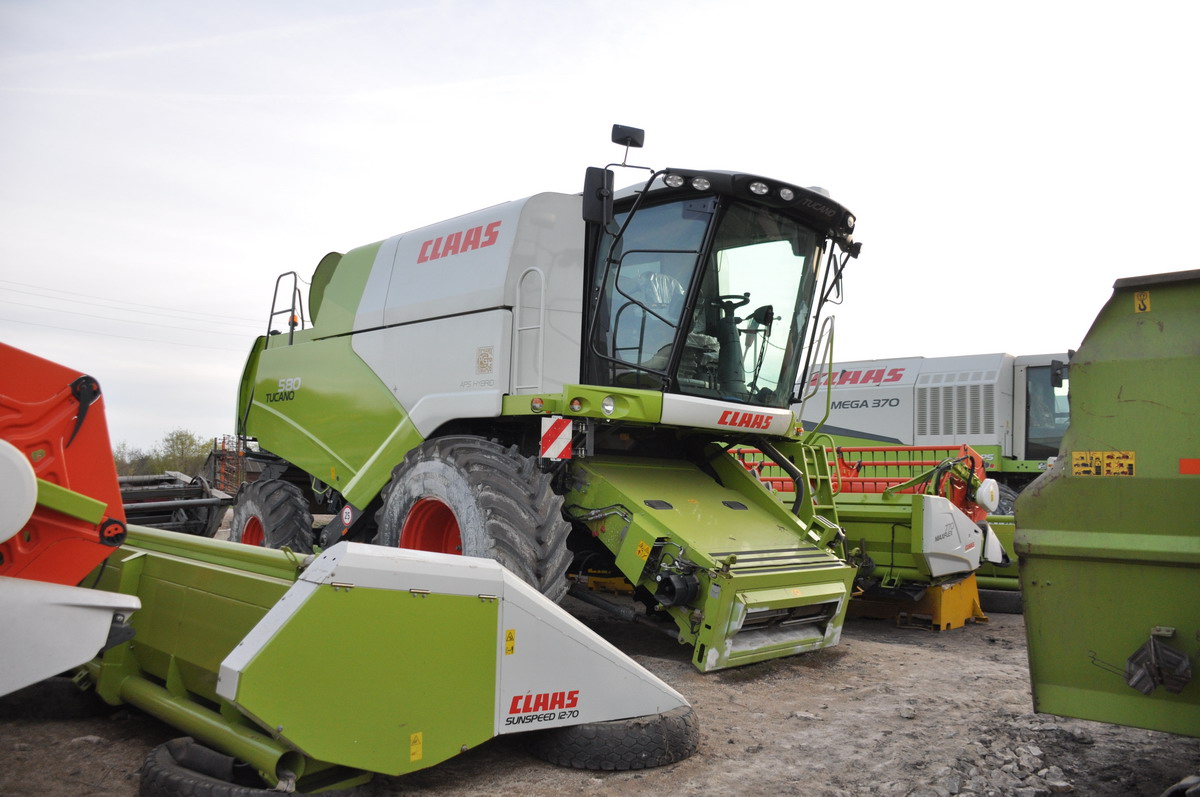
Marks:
<point>598,196</point>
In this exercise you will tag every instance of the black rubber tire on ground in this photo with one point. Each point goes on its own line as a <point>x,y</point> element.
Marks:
<point>1008,498</point>
<point>56,698</point>
<point>504,506</point>
<point>638,743</point>
<point>274,514</point>
<point>184,768</point>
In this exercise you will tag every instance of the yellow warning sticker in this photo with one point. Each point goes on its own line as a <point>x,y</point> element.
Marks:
<point>1103,463</point>
<point>1141,302</point>
<point>1119,463</point>
<point>416,743</point>
<point>643,550</point>
<point>510,641</point>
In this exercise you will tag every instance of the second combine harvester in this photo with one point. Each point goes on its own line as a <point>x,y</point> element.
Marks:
<point>560,378</point>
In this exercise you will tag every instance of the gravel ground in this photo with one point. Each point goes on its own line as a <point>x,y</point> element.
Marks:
<point>888,711</point>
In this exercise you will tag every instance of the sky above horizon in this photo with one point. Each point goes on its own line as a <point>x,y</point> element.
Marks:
<point>163,162</point>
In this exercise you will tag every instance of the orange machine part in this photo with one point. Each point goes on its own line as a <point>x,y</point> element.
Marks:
<point>55,416</point>
<point>873,469</point>
<point>876,468</point>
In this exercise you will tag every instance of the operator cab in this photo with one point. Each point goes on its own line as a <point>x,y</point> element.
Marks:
<point>703,283</point>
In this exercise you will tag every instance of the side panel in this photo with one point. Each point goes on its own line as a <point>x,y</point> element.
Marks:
<point>871,399</point>
<point>1108,538</point>
<point>442,369</point>
<point>918,402</point>
<point>456,266</point>
<point>319,406</point>
<point>723,416</point>
<point>403,690</point>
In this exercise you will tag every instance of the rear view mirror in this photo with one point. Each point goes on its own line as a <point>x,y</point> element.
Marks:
<point>628,136</point>
<point>598,195</point>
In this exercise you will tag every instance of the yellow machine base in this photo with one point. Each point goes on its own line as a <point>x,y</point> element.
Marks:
<point>944,607</point>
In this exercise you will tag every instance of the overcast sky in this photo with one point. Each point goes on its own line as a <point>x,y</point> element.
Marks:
<point>162,162</point>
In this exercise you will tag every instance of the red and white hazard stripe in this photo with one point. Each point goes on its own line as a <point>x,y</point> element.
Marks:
<point>556,438</point>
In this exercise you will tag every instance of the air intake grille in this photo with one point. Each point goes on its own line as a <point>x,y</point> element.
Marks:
<point>956,410</point>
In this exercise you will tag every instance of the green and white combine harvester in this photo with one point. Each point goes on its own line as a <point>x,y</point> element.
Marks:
<point>561,379</point>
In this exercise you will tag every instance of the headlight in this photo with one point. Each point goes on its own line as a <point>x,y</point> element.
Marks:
<point>576,405</point>
<point>787,194</point>
<point>701,183</point>
<point>674,181</point>
<point>537,405</point>
<point>608,406</point>
<point>758,188</point>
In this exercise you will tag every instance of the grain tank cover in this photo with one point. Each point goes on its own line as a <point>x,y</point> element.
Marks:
<point>467,264</point>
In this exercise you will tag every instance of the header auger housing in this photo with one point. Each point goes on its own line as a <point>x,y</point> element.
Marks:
<point>561,377</point>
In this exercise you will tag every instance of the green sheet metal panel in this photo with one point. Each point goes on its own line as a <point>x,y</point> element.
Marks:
<point>1109,538</point>
<point>197,605</point>
<point>415,706</point>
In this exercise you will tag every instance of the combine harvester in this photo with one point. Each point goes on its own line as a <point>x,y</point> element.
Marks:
<point>1109,537</point>
<point>423,655</point>
<point>568,378</point>
<point>561,378</point>
<point>1012,410</point>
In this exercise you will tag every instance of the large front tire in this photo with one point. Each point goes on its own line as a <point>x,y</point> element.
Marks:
<point>474,497</point>
<point>272,513</point>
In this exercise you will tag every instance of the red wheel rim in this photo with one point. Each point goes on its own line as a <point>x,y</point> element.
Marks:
<point>252,534</point>
<point>431,526</point>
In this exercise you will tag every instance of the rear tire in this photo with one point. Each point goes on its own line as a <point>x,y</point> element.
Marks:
<point>638,743</point>
<point>272,513</point>
<point>474,497</point>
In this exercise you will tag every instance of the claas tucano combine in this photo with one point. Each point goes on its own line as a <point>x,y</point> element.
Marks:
<point>559,379</point>
<point>557,383</point>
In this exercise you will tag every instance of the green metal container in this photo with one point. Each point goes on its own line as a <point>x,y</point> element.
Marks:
<point>1109,538</point>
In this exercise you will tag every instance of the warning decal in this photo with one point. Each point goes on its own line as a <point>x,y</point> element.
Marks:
<point>1103,463</point>
<point>416,746</point>
<point>556,438</point>
<point>510,641</point>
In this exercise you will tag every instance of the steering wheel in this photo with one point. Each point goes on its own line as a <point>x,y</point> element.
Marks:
<point>731,301</point>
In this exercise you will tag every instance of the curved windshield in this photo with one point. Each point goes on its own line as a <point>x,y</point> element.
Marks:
<point>728,325</point>
<point>751,310</point>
